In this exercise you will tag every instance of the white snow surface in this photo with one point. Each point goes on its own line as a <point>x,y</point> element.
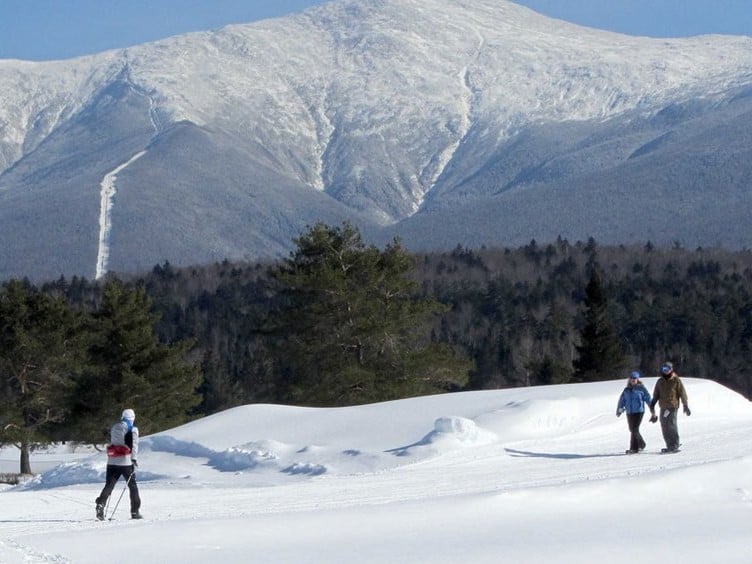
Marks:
<point>418,73</point>
<point>519,475</point>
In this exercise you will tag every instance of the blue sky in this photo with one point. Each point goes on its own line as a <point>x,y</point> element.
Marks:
<point>59,29</point>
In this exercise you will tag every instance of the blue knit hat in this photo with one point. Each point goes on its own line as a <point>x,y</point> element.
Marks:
<point>635,375</point>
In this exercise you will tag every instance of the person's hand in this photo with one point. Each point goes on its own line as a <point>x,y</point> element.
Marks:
<point>653,418</point>
<point>618,412</point>
<point>686,410</point>
<point>135,463</point>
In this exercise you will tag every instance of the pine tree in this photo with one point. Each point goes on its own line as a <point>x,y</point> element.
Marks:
<point>352,328</point>
<point>600,356</point>
<point>129,367</point>
<point>38,340</point>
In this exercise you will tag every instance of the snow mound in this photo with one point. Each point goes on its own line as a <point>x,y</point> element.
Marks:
<point>276,444</point>
<point>449,433</point>
<point>307,469</point>
<point>459,429</point>
<point>167,443</point>
<point>65,474</point>
<point>241,458</point>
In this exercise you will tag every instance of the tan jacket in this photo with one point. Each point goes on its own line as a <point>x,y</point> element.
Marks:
<point>668,392</point>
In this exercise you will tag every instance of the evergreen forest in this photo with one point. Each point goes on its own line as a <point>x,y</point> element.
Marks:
<point>341,322</point>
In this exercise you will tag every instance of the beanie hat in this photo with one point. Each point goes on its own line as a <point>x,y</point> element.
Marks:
<point>635,375</point>
<point>129,415</point>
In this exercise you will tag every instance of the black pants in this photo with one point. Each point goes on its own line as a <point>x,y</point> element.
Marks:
<point>636,442</point>
<point>670,428</point>
<point>113,475</point>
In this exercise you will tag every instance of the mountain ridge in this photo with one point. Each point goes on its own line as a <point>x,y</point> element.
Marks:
<point>360,102</point>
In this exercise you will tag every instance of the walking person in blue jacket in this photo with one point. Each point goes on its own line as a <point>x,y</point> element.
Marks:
<point>633,400</point>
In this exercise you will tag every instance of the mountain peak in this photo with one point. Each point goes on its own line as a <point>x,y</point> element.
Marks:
<point>376,109</point>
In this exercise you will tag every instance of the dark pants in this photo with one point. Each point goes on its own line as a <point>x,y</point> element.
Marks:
<point>670,428</point>
<point>636,442</point>
<point>113,475</point>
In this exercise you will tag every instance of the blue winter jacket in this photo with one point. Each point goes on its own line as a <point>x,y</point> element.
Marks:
<point>633,399</point>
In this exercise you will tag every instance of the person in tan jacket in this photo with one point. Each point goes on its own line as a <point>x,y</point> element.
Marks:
<point>668,393</point>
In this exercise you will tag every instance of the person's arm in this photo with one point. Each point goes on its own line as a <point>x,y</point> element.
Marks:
<point>134,449</point>
<point>648,400</point>
<point>683,398</point>
<point>653,416</point>
<point>620,404</point>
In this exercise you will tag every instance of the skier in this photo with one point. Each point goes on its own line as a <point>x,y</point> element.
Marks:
<point>668,393</point>
<point>633,399</point>
<point>121,461</point>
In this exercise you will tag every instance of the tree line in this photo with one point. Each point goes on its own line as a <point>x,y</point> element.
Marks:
<point>340,322</point>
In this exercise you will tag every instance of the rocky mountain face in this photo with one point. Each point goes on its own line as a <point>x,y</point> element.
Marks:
<point>443,122</point>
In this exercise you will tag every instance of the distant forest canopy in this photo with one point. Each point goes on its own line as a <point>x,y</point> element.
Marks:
<point>518,315</point>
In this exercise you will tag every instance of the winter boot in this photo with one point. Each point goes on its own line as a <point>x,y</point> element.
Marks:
<point>100,511</point>
<point>136,515</point>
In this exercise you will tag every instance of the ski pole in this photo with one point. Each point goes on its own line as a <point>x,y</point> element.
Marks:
<point>121,495</point>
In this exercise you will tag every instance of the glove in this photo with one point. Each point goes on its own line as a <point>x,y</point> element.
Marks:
<point>653,418</point>
<point>135,463</point>
<point>687,411</point>
<point>618,412</point>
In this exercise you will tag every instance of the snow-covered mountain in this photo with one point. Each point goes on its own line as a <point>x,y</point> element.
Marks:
<point>441,121</point>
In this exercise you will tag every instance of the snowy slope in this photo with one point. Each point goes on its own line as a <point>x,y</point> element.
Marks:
<point>519,475</point>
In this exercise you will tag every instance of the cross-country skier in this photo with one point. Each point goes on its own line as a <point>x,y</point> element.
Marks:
<point>633,400</point>
<point>122,456</point>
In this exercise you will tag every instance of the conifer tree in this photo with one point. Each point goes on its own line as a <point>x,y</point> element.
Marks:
<point>129,367</point>
<point>600,356</point>
<point>37,356</point>
<point>353,329</point>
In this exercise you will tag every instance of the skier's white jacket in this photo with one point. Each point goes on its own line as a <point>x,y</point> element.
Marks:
<point>123,449</point>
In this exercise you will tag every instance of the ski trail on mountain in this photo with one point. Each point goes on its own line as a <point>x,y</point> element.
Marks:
<point>108,186</point>
<point>107,198</point>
